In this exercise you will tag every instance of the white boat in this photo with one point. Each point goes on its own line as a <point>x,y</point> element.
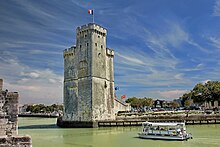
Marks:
<point>164,131</point>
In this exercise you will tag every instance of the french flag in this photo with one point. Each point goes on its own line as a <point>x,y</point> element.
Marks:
<point>90,11</point>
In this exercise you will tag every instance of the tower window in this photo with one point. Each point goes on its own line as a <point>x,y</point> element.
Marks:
<point>95,44</point>
<point>99,54</point>
<point>80,46</point>
<point>98,36</point>
<point>85,36</point>
<point>87,44</point>
<point>101,46</point>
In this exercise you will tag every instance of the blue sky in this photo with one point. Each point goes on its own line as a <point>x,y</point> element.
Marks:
<point>162,47</point>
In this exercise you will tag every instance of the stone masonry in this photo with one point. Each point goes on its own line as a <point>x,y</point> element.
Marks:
<point>9,120</point>
<point>88,77</point>
<point>8,112</point>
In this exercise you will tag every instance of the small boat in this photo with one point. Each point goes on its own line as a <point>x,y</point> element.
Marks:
<point>164,131</point>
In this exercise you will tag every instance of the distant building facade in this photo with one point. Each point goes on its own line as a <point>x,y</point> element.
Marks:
<point>121,106</point>
<point>89,77</point>
<point>211,105</point>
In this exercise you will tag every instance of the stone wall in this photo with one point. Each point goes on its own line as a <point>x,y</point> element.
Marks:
<point>89,77</point>
<point>9,121</point>
<point>121,106</point>
<point>15,141</point>
<point>9,112</point>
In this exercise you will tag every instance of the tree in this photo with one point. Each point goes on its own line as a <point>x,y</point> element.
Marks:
<point>139,103</point>
<point>41,108</point>
<point>214,89</point>
<point>185,97</point>
<point>148,102</point>
<point>188,103</point>
<point>174,104</point>
<point>203,92</point>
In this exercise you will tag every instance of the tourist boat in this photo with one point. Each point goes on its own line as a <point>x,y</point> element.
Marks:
<point>164,131</point>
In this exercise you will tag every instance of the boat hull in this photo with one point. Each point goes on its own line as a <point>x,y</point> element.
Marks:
<point>161,137</point>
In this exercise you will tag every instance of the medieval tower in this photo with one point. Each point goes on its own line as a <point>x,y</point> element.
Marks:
<point>88,78</point>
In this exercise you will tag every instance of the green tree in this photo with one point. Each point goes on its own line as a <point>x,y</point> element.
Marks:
<point>148,102</point>
<point>188,103</point>
<point>174,104</point>
<point>139,103</point>
<point>41,108</point>
<point>210,91</point>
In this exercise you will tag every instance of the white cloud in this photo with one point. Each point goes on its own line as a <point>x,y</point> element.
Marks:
<point>176,35</point>
<point>33,85</point>
<point>35,10</point>
<point>215,41</point>
<point>179,76</point>
<point>129,59</point>
<point>172,93</point>
<point>205,81</point>
<point>216,11</point>
<point>31,74</point>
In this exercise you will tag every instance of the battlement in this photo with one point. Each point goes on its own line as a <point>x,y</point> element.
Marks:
<point>91,27</point>
<point>12,95</point>
<point>110,52</point>
<point>69,52</point>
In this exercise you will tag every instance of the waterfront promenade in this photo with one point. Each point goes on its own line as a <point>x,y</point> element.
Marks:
<point>136,120</point>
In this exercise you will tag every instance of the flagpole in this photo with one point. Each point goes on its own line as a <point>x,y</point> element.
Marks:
<point>93,16</point>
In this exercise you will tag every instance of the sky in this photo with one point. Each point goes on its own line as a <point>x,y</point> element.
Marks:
<point>162,47</point>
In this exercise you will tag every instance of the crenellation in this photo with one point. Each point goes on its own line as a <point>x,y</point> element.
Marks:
<point>91,28</point>
<point>69,52</point>
<point>109,52</point>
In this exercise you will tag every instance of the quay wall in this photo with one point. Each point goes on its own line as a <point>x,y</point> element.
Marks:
<point>137,121</point>
<point>196,117</point>
<point>38,115</point>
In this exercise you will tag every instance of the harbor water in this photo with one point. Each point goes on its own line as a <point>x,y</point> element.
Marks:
<point>44,133</point>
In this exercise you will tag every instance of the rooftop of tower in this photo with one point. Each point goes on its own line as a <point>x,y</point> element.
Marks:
<point>91,26</point>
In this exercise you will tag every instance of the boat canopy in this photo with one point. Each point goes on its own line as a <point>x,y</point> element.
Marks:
<point>163,124</point>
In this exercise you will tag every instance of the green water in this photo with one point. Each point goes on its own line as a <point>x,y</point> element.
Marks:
<point>45,134</point>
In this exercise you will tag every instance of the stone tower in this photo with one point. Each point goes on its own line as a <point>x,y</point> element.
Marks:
<point>88,78</point>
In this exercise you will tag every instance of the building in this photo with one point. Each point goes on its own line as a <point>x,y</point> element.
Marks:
<point>88,78</point>
<point>211,105</point>
<point>120,106</point>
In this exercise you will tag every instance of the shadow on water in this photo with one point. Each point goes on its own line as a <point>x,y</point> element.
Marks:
<point>47,126</point>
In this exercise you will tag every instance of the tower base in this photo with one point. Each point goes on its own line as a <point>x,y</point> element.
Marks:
<point>76,124</point>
